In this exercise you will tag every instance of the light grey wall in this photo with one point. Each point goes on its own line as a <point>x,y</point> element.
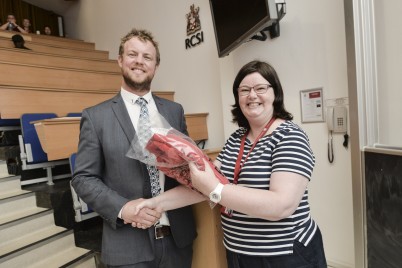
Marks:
<point>310,53</point>
<point>388,38</point>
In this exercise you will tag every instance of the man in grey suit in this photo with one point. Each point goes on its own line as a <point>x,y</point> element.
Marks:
<point>113,184</point>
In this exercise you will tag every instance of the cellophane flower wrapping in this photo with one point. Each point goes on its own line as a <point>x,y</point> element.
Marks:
<point>171,151</point>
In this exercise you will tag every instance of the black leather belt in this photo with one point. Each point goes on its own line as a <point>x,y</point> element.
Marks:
<point>161,231</point>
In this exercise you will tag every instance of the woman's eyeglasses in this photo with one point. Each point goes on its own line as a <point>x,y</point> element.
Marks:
<point>258,89</point>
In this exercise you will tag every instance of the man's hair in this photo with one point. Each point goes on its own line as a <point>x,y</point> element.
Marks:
<point>144,36</point>
<point>18,41</point>
<point>17,38</point>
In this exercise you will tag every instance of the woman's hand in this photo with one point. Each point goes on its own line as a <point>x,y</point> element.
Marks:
<point>203,181</point>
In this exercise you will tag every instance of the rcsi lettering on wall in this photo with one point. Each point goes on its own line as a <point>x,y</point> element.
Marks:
<point>196,36</point>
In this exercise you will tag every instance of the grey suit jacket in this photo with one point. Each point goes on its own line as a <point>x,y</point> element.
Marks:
<point>106,179</point>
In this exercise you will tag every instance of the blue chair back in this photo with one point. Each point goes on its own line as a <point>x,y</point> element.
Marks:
<point>31,137</point>
<point>74,114</point>
<point>9,122</point>
<point>72,162</point>
<point>84,207</point>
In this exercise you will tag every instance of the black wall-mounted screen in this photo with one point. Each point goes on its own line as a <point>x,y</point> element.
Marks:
<point>235,21</point>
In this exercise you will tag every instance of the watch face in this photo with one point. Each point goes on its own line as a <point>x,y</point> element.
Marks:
<point>215,197</point>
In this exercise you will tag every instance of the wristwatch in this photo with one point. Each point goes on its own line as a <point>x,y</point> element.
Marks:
<point>215,195</point>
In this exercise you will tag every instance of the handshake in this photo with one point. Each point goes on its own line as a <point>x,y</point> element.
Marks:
<point>141,213</point>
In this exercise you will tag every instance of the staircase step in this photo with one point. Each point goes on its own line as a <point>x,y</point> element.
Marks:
<point>9,194</point>
<point>16,207</point>
<point>84,261</point>
<point>89,263</point>
<point>10,185</point>
<point>53,252</point>
<point>24,232</point>
<point>3,169</point>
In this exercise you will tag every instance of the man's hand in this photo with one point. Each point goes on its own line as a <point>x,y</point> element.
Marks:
<point>13,22</point>
<point>141,218</point>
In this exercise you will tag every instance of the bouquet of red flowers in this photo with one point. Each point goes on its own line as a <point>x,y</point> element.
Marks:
<point>171,151</point>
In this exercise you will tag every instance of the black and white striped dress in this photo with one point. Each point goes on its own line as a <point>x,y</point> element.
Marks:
<point>286,149</point>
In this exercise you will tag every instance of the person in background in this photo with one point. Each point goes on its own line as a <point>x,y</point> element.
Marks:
<point>47,30</point>
<point>26,23</point>
<point>18,41</point>
<point>112,184</point>
<point>11,25</point>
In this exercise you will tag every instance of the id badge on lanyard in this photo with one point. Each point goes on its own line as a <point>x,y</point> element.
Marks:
<point>225,210</point>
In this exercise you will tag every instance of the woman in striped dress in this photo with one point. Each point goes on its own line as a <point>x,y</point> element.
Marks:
<point>266,215</point>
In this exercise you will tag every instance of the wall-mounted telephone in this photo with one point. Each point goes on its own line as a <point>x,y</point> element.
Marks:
<point>337,123</point>
<point>337,119</point>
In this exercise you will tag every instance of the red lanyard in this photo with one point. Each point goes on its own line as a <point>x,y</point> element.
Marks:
<point>239,165</point>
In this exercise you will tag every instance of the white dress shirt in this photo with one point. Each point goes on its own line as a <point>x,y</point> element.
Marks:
<point>134,111</point>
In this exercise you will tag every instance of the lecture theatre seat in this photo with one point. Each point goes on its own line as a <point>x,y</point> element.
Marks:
<point>9,122</point>
<point>82,211</point>
<point>32,154</point>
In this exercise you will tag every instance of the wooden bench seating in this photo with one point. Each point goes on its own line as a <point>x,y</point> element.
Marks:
<point>31,57</point>
<point>62,42</point>
<point>39,76</point>
<point>64,51</point>
<point>8,35</point>
<point>16,101</point>
<point>52,40</point>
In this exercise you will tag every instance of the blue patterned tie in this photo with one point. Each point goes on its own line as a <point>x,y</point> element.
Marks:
<point>144,134</point>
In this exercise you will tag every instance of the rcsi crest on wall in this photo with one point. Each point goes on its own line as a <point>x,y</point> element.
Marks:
<point>193,26</point>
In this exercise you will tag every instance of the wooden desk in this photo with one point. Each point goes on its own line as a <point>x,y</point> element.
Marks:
<point>197,126</point>
<point>59,137</point>
<point>213,153</point>
<point>208,247</point>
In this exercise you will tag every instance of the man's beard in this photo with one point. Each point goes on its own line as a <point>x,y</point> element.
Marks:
<point>139,86</point>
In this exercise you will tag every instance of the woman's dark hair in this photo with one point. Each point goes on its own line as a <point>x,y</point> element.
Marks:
<point>269,73</point>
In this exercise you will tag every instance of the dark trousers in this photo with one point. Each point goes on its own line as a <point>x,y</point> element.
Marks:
<point>312,256</point>
<point>167,255</point>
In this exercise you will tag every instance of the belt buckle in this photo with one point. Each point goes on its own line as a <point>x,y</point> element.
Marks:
<point>157,234</point>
